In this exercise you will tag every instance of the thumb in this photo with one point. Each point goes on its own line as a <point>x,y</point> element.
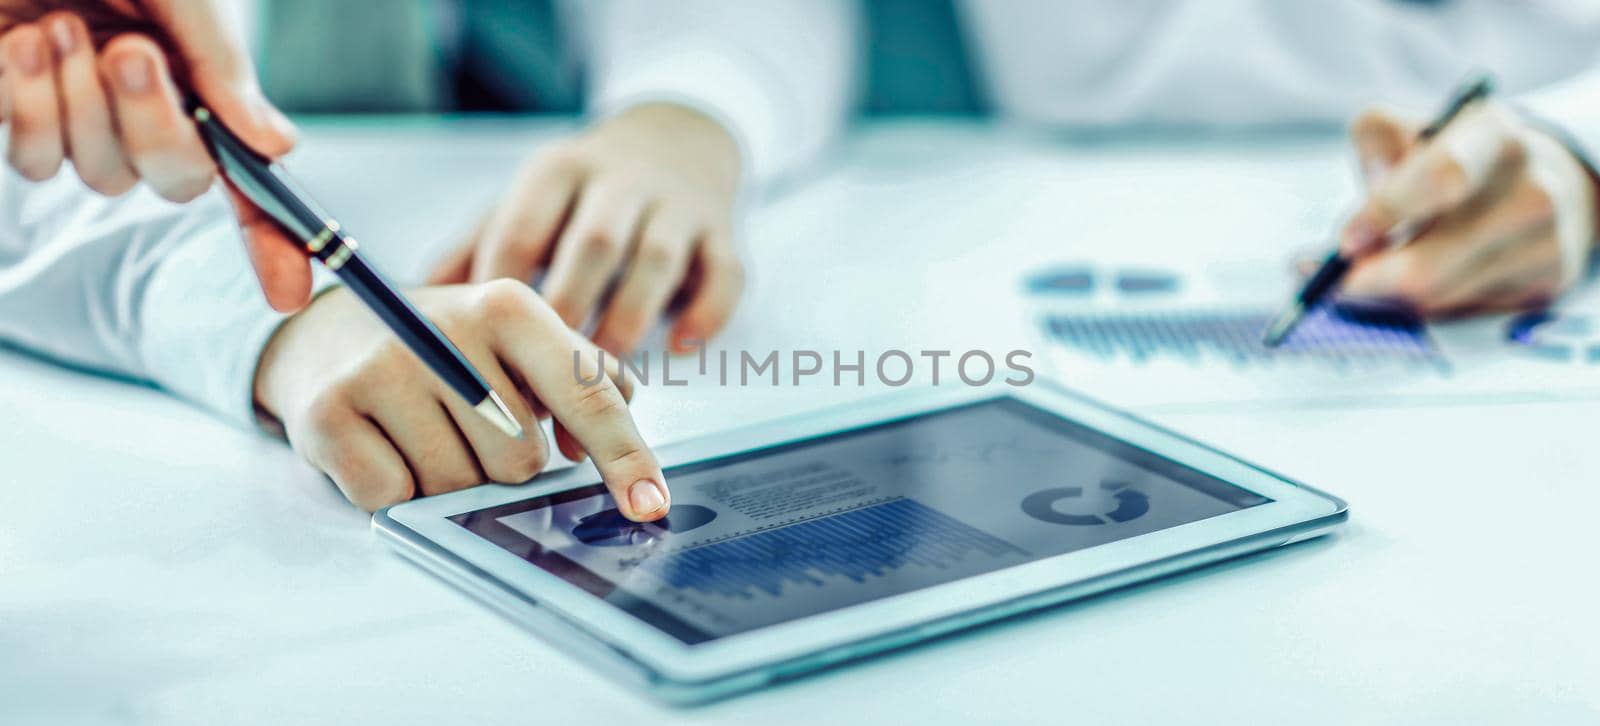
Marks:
<point>221,73</point>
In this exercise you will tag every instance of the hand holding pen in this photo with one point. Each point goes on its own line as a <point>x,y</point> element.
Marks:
<point>1480,211</point>
<point>172,142</point>
<point>95,83</point>
<point>99,85</point>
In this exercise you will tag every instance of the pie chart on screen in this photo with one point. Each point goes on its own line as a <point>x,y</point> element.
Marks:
<point>1110,503</point>
<point>610,529</point>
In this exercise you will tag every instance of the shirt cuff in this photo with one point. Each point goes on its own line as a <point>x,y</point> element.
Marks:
<point>1569,111</point>
<point>206,321</point>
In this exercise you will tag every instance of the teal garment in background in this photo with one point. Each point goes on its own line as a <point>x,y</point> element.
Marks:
<point>353,56</point>
<point>514,57</point>
<point>373,56</point>
<point>917,61</point>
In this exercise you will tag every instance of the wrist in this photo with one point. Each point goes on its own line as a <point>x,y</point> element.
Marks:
<point>672,125</point>
<point>276,370</point>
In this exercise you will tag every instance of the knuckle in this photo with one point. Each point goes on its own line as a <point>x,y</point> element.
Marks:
<point>48,20</point>
<point>26,32</point>
<point>328,411</point>
<point>443,482</point>
<point>566,309</point>
<point>519,463</point>
<point>366,482</point>
<point>505,300</point>
<point>522,246</point>
<point>127,42</point>
<point>559,159</point>
<point>601,243</point>
<point>657,253</point>
<point>376,492</point>
<point>388,359</point>
<point>600,400</point>
<point>631,455</point>
<point>620,332</point>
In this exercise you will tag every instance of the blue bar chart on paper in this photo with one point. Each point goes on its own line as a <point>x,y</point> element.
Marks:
<point>1146,338</point>
<point>858,544</point>
<point>1324,336</point>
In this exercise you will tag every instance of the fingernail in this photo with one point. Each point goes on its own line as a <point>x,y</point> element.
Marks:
<point>133,73</point>
<point>28,54</point>
<point>646,497</point>
<point>61,33</point>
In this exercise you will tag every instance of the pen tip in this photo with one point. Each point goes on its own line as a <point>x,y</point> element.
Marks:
<point>494,409</point>
<point>1282,326</point>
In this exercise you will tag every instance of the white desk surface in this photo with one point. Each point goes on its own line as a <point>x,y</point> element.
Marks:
<point>157,565</point>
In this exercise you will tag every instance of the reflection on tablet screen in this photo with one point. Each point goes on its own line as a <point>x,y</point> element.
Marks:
<point>767,536</point>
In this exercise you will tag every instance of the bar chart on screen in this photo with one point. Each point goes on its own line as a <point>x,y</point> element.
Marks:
<point>897,536</point>
<point>1189,342</point>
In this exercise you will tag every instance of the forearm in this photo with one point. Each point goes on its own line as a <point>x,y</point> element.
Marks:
<point>134,287</point>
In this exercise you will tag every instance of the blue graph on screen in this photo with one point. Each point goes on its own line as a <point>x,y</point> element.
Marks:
<point>858,544</point>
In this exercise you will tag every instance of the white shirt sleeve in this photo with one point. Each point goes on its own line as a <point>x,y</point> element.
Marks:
<point>134,287</point>
<point>1572,106</point>
<point>778,74</point>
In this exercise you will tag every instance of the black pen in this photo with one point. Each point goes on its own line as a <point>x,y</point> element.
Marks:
<point>267,185</point>
<point>1333,268</point>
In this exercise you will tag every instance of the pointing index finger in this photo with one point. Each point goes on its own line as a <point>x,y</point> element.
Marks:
<point>569,381</point>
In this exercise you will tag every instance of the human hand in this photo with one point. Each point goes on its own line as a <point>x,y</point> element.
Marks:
<point>360,406</point>
<point>98,82</point>
<point>1508,214</point>
<point>646,195</point>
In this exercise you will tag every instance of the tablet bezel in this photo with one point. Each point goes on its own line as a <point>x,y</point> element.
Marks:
<point>1292,504</point>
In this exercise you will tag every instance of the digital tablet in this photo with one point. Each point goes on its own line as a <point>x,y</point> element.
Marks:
<point>799,544</point>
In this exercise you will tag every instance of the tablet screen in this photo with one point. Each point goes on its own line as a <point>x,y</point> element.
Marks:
<point>767,536</point>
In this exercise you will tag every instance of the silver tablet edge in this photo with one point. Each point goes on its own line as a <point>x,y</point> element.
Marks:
<point>597,652</point>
